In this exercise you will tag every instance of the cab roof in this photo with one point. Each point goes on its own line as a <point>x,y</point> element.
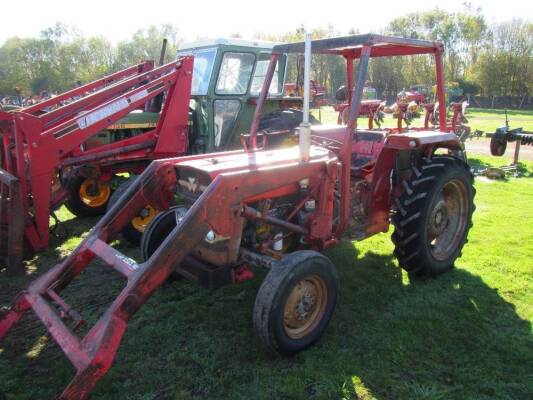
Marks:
<point>260,44</point>
<point>350,46</point>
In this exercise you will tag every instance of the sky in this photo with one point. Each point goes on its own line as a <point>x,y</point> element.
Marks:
<point>117,20</point>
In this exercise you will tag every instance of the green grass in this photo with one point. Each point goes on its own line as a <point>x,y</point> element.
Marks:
<point>488,120</point>
<point>464,335</point>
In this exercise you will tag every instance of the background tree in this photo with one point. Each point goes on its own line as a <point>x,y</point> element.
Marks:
<point>491,60</point>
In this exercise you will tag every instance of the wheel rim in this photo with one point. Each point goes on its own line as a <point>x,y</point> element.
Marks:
<point>448,219</point>
<point>305,307</point>
<point>94,195</point>
<point>146,215</point>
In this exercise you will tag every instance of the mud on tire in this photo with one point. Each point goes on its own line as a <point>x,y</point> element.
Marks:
<point>433,215</point>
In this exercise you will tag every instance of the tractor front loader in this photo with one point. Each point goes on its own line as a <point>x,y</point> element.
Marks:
<point>224,214</point>
<point>46,156</point>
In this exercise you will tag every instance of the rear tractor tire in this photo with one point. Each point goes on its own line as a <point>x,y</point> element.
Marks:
<point>134,229</point>
<point>85,198</point>
<point>433,216</point>
<point>295,302</point>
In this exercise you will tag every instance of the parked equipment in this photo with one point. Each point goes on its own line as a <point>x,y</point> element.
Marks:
<point>276,209</point>
<point>503,135</point>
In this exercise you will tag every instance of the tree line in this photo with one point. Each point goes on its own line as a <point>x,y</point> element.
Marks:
<point>480,58</point>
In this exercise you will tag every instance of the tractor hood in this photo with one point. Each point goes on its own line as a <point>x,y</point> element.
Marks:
<point>241,162</point>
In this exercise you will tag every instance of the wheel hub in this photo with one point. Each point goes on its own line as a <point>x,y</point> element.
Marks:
<point>94,194</point>
<point>304,307</point>
<point>439,218</point>
<point>141,221</point>
<point>448,220</point>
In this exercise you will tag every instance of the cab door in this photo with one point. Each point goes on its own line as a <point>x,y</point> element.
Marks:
<point>230,94</point>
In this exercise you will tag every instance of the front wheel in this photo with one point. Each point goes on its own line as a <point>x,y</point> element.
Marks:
<point>433,216</point>
<point>295,302</point>
<point>134,229</point>
<point>159,228</point>
<point>87,197</point>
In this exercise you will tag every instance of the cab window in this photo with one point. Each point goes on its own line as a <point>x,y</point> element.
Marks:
<point>235,73</point>
<point>202,69</point>
<point>276,87</point>
<point>226,111</point>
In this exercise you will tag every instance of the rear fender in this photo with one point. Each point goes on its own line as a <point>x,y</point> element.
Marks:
<point>424,142</point>
<point>399,151</point>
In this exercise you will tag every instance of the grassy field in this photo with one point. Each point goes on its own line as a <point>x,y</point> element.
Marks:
<point>464,335</point>
<point>489,120</point>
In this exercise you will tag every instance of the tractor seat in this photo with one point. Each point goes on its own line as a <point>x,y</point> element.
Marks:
<point>366,147</point>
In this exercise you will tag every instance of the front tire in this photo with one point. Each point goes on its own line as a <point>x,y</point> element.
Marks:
<point>295,302</point>
<point>85,199</point>
<point>134,229</point>
<point>159,228</point>
<point>433,216</point>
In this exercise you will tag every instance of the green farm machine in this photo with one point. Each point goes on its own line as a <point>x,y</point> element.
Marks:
<point>227,79</point>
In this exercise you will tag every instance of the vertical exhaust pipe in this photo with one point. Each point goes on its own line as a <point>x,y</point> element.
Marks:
<point>163,51</point>
<point>305,126</point>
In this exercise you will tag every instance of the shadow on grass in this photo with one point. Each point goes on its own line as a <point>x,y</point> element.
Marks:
<point>64,237</point>
<point>447,338</point>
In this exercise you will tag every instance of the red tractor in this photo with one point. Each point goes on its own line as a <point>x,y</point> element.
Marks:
<point>420,94</point>
<point>225,214</point>
<point>48,155</point>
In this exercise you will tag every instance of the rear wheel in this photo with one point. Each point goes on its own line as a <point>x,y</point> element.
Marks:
<point>87,197</point>
<point>295,302</point>
<point>133,230</point>
<point>433,216</point>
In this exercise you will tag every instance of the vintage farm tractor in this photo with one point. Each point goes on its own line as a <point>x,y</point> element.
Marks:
<point>227,213</point>
<point>404,112</point>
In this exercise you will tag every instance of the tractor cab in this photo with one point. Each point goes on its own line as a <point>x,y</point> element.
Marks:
<point>228,76</point>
